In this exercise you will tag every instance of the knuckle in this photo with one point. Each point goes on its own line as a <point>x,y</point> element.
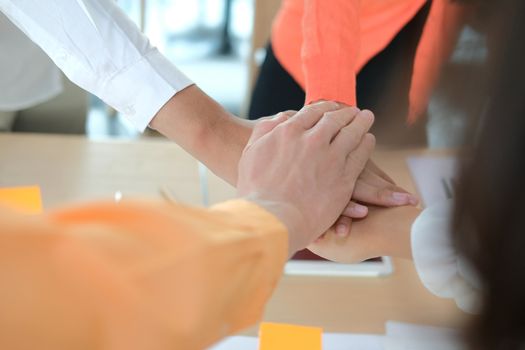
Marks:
<point>369,141</point>
<point>263,123</point>
<point>314,138</point>
<point>367,114</point>
<point>332,105</point>
<point>335,119</point>
<point>311,107</point>
<point>383,195</point>
<point>352,137</point>
<point>353,134</point>
<point>287,130</point>
<point>353,110</point>
<point>322,106</point>
<point>282,115</point>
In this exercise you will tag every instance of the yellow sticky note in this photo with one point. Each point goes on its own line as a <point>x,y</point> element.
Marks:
<point>25,199</point>
<point>274,336</point>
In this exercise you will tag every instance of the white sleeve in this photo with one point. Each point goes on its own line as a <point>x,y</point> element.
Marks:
<point>440,268</point>
<point>100,49</point>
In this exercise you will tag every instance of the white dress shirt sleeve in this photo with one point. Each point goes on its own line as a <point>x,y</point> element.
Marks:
<point>440,268</point>
<point>100,49</point>
<point>29,77</point>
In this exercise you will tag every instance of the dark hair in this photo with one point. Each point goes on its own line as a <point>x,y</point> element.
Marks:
<point>489,220</point>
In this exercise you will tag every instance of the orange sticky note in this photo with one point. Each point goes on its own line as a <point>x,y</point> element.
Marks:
<point>274,336</point>
<point>25,199</point>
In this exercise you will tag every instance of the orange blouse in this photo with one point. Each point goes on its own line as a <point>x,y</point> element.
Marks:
<point>136,275</point>
<point>323,44</point>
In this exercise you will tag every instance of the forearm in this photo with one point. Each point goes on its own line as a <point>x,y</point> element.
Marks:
<point>396,242</point>
<point>331,40</point>
<point>136,275</point>
<point>206,130</point>
<point>384,232</point>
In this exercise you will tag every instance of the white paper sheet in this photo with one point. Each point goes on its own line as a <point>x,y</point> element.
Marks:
<point>435,177</point>
<point>331,341</point>
<point>405,336</point>
<point>342,341</point>
<point>237,343</point>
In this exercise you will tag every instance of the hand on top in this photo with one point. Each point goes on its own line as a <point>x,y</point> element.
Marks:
<point>303,168</point>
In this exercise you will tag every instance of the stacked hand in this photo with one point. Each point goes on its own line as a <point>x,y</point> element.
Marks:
<point>385,231</point>
<point>303,168</point>
<point>311,167</point>
<point>374,187</point>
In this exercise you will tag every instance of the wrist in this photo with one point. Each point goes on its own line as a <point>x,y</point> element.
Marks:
<point>204,129</point>
<point>397,242</point>
<point>222,144</point>
<point>289,216</point>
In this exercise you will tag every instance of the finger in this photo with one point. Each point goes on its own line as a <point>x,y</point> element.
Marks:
<point>355,211</point>
<point>342,226</point>
<point>350,136</point>
<point>378,171</point>
<point>382,196</point>
<point>375,180</point>
<point>309,115</point>
<point>385,189</point>
<point>357,159</point>
<point>321,237</point>
<point>265,125</point>
<point>332,122</point>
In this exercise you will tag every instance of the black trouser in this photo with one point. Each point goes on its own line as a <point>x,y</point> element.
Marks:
<point>382,86</point>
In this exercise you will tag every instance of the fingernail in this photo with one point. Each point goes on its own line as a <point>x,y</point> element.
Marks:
<point>341,229</point>
<point>413,200</point>
<point>359,209</point>
<point>367,114</point>
<point>400,198</point>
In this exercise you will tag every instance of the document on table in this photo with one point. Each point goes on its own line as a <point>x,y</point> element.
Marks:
<point>405,336</point>
<point>435,177</point>
<point>331,341</point>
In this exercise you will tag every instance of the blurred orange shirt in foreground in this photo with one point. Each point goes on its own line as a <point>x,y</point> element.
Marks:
<point>136,275</point>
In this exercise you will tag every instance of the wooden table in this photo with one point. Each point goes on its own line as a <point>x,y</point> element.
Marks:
<point>72,168</point>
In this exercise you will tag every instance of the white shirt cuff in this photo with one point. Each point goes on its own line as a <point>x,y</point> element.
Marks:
<point>149,84</point>
<point>441,270</point>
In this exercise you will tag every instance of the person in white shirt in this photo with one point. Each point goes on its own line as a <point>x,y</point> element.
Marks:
<point>411,233</point>
<point>29,77</point>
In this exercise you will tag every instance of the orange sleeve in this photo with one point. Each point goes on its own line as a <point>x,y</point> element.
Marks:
<point>331,42</point>
<point>136,275</point>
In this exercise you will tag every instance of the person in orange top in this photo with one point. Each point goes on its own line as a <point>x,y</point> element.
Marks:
<point>142,275</point>
<point>376,54</point>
